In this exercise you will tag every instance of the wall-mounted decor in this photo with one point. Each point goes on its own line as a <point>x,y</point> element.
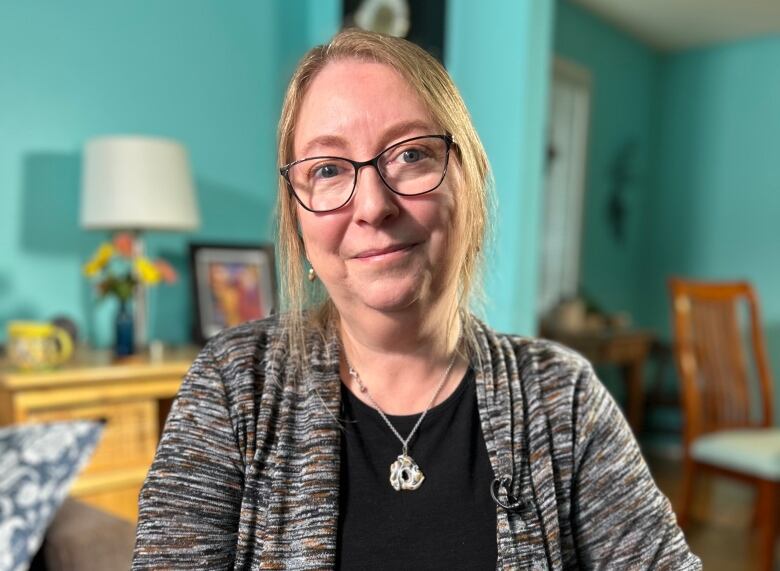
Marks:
<point>232,284</point>
<point>622,174</point>
<point>419,22</point>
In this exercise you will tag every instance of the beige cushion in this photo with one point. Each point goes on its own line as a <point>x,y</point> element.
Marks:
<point>751,451</point>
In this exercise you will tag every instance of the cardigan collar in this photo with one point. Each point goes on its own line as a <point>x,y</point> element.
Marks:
<point>505,423</point>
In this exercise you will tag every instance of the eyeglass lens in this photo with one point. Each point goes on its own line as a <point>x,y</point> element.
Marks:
<point>408,168</point>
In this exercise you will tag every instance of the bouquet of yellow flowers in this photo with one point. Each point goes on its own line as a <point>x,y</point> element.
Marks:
<point>117,270</point>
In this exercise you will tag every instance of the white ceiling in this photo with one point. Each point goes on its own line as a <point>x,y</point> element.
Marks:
<point>681,24</point>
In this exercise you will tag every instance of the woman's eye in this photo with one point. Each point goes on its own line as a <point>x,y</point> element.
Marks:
<point>411,156</point>
<point>326,171</point>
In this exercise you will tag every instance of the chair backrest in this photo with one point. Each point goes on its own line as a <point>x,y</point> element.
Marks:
<point>721,380</point>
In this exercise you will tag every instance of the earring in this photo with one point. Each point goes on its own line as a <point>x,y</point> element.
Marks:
<point>311,275</point>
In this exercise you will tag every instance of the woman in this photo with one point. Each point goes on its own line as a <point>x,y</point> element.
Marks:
<point>388,427</point>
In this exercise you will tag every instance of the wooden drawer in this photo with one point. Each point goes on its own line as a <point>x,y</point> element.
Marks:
<point>129,438</point>
<point>133,398</point>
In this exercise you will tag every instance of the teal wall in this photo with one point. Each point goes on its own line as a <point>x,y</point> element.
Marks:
<point>717,203</point>
<point>213,78</point>
<point>625,78</point>
<point>208,76</point>
<point>705,121</point>
<point>706,198</point>
<point>498,53</point>
<point>716,207</point>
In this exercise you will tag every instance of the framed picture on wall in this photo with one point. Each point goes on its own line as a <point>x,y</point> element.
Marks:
<point>232,284</point>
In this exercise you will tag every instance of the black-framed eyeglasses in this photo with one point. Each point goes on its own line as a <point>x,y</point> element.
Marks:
<point>409,168</point>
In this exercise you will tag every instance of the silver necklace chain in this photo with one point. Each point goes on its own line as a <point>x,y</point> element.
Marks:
<point>363,389</point>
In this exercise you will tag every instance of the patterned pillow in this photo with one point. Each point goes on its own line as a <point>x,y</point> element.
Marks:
<point>38,463</point>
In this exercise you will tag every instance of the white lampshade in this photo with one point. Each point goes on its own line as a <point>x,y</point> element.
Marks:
<point>137,183</point>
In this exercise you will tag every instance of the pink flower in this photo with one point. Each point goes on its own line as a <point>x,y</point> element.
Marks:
<point>123,243</point>
<point>167,273</point>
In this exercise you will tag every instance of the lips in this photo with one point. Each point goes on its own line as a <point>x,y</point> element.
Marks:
<point>373,253</point>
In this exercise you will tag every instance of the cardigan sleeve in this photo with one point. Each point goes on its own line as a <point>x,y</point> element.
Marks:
<point>190,501</point>
<point>621,518</point>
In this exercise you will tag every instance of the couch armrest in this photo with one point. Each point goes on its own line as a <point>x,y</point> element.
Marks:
<point>83,538</point>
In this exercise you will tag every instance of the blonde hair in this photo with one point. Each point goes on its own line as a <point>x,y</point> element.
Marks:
<point>432,83</point>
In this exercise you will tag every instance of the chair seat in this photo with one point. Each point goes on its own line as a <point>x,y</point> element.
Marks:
<point>751,451</point>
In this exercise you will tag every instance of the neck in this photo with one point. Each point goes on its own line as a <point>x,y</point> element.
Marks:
<point>432,330</point>
<point>401,357</point>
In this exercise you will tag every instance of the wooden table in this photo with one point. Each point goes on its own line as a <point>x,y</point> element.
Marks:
<point>133,396</point>
<point>626,348</point>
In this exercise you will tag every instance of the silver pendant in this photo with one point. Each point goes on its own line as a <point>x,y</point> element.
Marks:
<point>405,474</point>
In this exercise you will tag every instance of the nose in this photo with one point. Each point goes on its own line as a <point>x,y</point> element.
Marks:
<point>373,202</point>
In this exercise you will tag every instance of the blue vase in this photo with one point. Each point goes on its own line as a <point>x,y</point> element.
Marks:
<point>124,342</point>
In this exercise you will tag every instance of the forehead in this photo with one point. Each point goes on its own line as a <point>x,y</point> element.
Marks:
<point>359,102</point>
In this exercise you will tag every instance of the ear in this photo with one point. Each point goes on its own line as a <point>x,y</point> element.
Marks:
<point>297,218</point>
<point>301,241</point>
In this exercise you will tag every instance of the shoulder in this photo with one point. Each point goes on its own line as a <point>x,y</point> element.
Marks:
<point>544,362</point>
<point>246,339</point>
<point>278,350</point>
<point>549,358</point>
<point>548,375</point>
<point>244,354</point>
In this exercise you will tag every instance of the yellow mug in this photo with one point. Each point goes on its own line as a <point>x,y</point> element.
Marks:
<point>36,345</point>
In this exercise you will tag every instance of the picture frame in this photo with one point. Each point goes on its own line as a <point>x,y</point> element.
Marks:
<point>231,284</point>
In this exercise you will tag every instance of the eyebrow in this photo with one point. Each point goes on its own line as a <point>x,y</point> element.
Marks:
<point>394,132</point>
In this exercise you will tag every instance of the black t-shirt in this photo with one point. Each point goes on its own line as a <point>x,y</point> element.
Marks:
<point>449,522</point>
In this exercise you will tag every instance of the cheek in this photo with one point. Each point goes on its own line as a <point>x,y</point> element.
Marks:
<point>322,234</point>
<point>443,218</point>
<point>447,248</point>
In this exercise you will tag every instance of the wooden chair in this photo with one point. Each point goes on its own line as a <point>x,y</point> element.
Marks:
<point>727,403</point>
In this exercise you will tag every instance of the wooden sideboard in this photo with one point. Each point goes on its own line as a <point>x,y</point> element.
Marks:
<point>132,396</point>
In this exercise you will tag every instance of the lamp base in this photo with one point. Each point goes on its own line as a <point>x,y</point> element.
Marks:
<point>140,300</point>
<point>124,344</point>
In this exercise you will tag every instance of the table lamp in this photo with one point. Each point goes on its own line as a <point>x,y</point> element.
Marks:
<point>137,184</point>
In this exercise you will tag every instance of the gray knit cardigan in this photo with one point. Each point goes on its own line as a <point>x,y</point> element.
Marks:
<point>246,475</point>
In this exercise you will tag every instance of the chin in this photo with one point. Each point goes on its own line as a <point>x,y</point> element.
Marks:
<point>391,296</point>
<point>390,302</point>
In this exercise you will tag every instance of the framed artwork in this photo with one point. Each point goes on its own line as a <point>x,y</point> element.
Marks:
<point>232,284</point>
